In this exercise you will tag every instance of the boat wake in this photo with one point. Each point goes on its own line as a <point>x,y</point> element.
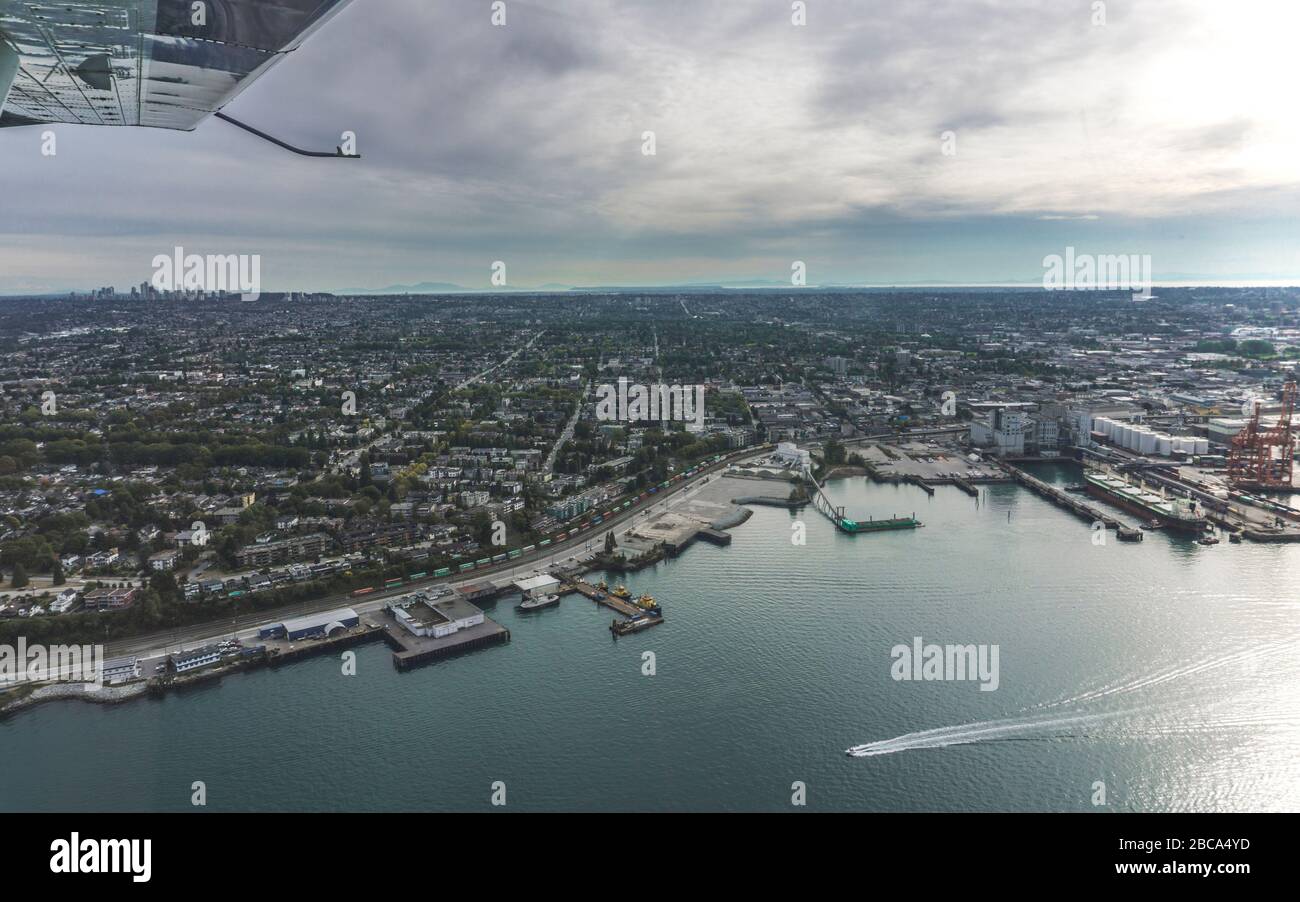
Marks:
<point>1241,659</point>
<point>1046,720</point>
<point>1059,726</point>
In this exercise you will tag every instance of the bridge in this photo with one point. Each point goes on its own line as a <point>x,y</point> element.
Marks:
<point>843,523</point>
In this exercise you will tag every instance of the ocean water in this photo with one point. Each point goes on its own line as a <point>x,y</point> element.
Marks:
<point>1168,671</point>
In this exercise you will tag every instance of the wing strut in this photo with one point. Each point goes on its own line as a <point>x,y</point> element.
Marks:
<point>338,151</point>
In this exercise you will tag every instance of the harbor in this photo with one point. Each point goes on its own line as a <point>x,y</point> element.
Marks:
<point>758,639</point>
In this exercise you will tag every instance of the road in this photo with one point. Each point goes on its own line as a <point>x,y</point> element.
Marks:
<point>492,369</point>
<point>245,625</point>
<point>351,458</point>
<point>568,430</point>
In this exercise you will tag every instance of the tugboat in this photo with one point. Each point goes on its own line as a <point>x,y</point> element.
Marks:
<point>648,603</point>
<point>620,591</point>
<point>602,586</point>
<point>536,603</point>
<point>1207,540</point>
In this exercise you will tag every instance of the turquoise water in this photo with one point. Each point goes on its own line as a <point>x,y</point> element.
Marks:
<point>1168,670</point>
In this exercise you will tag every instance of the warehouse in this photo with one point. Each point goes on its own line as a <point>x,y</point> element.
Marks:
<point>538,586</point>
<point>322,624</point>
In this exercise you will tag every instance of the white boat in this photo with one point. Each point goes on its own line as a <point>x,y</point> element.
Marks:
<point>538,602</point>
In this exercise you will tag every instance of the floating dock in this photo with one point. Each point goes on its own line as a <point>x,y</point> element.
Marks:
<point>844,524</point>
<point>635,625</point>
<point>1270,535</point>
<point>624,606</point>
<point>638,618</point>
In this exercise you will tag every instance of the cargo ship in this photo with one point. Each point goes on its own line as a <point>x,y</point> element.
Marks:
<point>1176,514</point>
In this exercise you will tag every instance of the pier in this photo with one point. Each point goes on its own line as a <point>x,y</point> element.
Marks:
<point>715,536</point>
<point>1062,498</point>
<point>411,650</point>
<point>623,606</point>
<point>920,483</point>
<point>845,524</point>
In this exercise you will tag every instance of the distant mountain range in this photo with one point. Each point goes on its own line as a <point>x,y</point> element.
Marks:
<point>421,288</point>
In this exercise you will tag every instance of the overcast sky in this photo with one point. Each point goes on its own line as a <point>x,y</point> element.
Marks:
<point>1169,131</point>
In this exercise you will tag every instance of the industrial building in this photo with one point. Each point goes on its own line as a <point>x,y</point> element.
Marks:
<point>421,615</point>
<point>536,586</point>
<point>787,454</point>
<point>322,624</point>
<point>1146,441</point>
<point>1003,432</point>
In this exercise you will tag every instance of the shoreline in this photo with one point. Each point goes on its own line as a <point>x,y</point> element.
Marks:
<point>153,688</point>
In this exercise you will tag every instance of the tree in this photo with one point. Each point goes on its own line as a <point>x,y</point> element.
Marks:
<point>59,579</point>
<point>164,584</point>
<point>610,545</point>
<point>20,576</point>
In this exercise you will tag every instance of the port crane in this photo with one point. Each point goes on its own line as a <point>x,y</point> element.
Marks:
<point>1262,456</point>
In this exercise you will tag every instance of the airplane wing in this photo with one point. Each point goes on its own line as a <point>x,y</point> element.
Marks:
<point>155,63</point>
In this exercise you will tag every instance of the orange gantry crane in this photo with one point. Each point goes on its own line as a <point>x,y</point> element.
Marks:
<point>1261,456</point>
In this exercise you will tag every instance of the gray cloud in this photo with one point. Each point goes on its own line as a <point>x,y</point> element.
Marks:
<point>774,143</point>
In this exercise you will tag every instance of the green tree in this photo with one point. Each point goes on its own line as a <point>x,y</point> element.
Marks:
<point>20,577</point>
